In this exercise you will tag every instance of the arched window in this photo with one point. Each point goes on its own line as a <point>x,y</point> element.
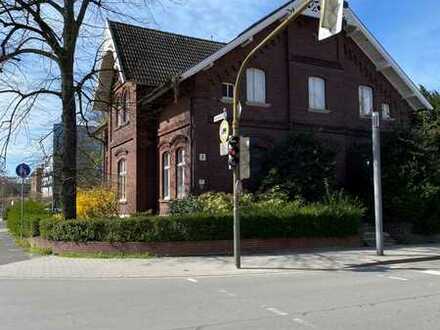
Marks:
<point>256,85</point>
<point>166,160</point>
<point>180,173</point>
<point>122,180</point>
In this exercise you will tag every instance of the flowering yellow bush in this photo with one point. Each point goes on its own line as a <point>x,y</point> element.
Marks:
<point>98,202</point>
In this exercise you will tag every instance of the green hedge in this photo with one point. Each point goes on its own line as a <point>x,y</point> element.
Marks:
<point>34,212</point>
<point>287,222</point>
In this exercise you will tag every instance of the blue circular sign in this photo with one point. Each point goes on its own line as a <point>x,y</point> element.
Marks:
<point>23,170</point>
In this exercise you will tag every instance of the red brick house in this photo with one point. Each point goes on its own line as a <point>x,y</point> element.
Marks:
<point>165,89</point>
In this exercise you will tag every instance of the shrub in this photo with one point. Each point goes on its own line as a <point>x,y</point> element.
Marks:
<point>299,165</point>
<point>98,202</point>
<point>34,212</point>
<point>287,221</point>
<point>186,205</point>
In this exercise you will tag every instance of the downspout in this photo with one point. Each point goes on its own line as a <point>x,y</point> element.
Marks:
<point>192,144</point>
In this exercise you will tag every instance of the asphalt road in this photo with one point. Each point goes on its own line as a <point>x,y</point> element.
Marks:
<point>374,298</point>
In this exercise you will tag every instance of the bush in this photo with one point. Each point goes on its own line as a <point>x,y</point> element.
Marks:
<point>299,165</point>
<point>34,212</point>
<point>288,221</point>
<point>209,203</point>
<point>98,202</point>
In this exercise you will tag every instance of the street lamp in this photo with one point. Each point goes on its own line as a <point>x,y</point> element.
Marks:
<point>330,25</point>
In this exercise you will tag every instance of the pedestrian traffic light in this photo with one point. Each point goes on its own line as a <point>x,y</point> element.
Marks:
<point>233,152</point>
<point>331,18</point>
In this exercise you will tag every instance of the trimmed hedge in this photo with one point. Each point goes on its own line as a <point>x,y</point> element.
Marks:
<point>315,220</point>
<point>34,212</point>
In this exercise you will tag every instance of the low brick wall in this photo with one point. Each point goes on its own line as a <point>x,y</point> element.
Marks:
<point>248,246</point>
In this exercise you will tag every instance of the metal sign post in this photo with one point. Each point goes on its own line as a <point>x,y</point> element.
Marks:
<point>22,171</point>
<point>377,167</point>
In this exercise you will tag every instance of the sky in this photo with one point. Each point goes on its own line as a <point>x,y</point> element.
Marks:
<point>410,33</point>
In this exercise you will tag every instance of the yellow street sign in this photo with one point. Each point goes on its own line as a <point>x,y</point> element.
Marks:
<point>224,131</point>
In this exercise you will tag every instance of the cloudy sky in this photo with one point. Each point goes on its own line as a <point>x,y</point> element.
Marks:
<point>410,33</point>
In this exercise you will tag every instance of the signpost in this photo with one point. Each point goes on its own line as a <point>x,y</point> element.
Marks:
<point>22,171</point>
<point>377,168</point>
<point>330,25</point>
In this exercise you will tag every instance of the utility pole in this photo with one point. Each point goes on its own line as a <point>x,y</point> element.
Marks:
<point>377,168</point>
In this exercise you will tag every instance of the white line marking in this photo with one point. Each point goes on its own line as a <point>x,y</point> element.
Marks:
<point>431,272</point>
<point>304,323</point>
<point>230,294</point>
<point>276,311</point>
<point>397,278</point>
<point>192,280</point>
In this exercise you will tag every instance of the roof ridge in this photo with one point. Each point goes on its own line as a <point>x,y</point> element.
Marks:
<point>166,32</point>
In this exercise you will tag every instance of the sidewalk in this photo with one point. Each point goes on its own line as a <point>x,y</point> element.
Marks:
<point>53,267</point>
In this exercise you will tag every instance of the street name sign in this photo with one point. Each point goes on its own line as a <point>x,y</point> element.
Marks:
<point>220,117</point>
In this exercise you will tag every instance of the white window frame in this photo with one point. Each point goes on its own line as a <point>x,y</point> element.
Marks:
<point>122,179</point>
<point>229,91</point>
<point>180,174</point>
<point>317,94</point>
<point>386,111</point>
<point>122,114</point>
<point>256,86</point>
<point>166,176</point>
<point>364,92</point>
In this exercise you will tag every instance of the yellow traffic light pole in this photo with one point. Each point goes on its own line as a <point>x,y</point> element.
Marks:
<point>236,121</point>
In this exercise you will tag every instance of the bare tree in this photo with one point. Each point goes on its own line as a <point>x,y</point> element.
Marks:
<point>52,31</point>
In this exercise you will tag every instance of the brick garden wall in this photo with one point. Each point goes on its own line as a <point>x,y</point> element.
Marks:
<point>248,246</point>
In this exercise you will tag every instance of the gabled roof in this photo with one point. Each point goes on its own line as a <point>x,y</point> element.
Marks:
<point>151,57</point>
<point>155,58</point>
<point>363,38</point>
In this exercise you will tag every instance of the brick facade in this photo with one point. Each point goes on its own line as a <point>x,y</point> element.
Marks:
<point>184,118</point>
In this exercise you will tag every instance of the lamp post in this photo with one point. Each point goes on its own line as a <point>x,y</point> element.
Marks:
<point>236,114</point>
<point>330,25</point>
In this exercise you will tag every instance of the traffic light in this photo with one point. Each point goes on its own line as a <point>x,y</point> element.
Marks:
<point>332,12</point>
<point>233,152</point>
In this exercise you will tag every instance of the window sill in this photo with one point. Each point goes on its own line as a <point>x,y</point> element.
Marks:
<point>123,202</point>
<point>258,104</point>
<point>323,111</point>
<point>227,100</point>
<point>365,117</point>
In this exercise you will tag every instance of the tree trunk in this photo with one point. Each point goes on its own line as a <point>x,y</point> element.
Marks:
<point>70,141</point>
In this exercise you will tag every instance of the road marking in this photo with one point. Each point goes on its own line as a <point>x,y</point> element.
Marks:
<point>431,272</point>
<point>396,278</point>
<point>230,294</point>
<point>192,280</point>
<point>304,323</point>
<point>276,311</point>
